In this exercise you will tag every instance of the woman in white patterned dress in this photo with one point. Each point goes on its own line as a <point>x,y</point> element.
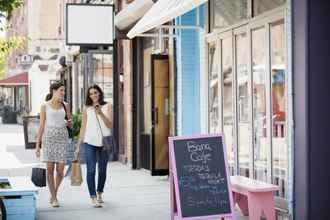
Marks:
<point>54,137</point>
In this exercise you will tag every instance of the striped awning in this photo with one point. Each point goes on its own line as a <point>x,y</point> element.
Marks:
<point>16,80</point>
<point>161,12</point>
<point>132,13</point>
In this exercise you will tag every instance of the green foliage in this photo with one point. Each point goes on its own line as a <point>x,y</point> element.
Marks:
<point>6,9</point>
<point>7,45</point>
<point>76,124</point>
<point>8,6</point>
<point>2,68</point>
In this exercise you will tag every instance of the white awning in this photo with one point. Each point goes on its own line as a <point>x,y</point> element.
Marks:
<point>131,13</point>
<point>161,12</point>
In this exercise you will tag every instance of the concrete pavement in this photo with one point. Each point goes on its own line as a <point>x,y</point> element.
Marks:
<point>129,194</point>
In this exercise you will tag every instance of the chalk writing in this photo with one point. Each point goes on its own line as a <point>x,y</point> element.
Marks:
<point>201,176</point>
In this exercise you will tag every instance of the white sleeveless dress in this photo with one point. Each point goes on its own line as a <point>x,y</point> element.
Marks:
<point>55,139</point>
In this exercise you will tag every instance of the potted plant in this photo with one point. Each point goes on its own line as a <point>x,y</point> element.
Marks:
<point>76,124</point>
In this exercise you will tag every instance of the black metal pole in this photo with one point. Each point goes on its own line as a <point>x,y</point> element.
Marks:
<point>115,98</point>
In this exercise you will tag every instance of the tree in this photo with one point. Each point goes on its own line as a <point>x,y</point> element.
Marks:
<point>6,9</point>
<point>7,45</point>
<point>8,6</point>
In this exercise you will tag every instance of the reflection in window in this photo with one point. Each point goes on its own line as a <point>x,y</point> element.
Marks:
<point>213,91</point>
<point>228,110</point>
<point>260,142</point>
<point>242,104</point>
<point>228,12</point>
<point>260,6</point>
<point>279,112</point>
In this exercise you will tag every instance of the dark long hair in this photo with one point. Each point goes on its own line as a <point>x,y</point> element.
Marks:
<point>89,101</point>
<point>54,86</point>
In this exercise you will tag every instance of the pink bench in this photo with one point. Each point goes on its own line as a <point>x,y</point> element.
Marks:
<point>255,198</point>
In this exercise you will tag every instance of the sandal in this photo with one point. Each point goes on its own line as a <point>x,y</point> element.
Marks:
<point>96,203</point>
<point>55,204</point>
<point>99,198</point>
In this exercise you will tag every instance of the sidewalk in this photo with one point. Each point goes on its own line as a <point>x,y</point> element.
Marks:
<point>129,194</point>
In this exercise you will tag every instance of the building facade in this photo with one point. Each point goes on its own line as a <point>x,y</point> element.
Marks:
<point>249,96</point>
<point>46,45</point>
<point>18,62</point>
<point>235,53</point>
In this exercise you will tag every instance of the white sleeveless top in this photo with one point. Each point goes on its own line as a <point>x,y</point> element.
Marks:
<point>54,117</point>
<point>93,135</point>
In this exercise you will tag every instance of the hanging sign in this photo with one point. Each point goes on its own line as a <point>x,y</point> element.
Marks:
<point>89,24</point>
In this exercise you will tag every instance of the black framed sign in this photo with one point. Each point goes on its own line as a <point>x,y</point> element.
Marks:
<point>31,126</point>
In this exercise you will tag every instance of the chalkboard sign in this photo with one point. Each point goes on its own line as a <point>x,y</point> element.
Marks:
<point>201,181</point>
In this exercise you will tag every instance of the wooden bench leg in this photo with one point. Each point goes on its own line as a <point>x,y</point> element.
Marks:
<point>261,205</point>
<point>242,202</point>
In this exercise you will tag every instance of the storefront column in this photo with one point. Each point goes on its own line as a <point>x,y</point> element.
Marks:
<point>311,57</point>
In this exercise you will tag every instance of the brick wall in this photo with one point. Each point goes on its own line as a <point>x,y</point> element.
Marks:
<point>128,87</point>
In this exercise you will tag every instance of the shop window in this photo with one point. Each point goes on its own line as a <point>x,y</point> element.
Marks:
<point>260,129</point>
<point>102,64</point>
<point>213,90</point>
<point>279,110</point>
<point>225,13</point>
<point>261,6</point>
<point>227,100</point>
<point>242,104</point>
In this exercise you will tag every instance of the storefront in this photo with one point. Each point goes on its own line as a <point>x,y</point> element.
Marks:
<point>261,69</point>
<point>248,88</point>
<point>166,68</point>
<point>14,92</point>
<point>153,111</point>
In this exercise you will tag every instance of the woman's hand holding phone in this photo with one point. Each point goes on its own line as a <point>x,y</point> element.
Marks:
<point>98,109</point>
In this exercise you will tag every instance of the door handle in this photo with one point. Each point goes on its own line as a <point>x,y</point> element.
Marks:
<point>156,116</point>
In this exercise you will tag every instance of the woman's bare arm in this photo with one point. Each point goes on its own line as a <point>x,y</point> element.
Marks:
<point>41,126</point>
<point>107,117</point>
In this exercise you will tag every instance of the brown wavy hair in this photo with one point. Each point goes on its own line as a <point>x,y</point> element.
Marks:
<point>54,86</point>
<point>89,101</point>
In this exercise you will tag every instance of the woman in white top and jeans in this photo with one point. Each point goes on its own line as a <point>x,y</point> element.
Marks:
<point>97,115</point>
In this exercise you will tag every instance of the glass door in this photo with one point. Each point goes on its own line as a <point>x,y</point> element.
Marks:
<point>214,107</point>
<point>260,111</point>
<point>279,107</point>
<point>227,78</point>
<point>242,102</point>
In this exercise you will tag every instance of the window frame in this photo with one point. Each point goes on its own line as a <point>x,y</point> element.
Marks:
<point>217,35</point>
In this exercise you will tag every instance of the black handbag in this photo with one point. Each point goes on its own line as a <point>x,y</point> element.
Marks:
<point>38,176</point>
<point>107,141</point>
<point>70,133</point>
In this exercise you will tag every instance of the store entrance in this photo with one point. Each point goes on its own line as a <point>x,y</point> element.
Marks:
<point>160,114</point>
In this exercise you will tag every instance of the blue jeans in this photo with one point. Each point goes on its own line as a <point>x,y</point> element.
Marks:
<point>96,154</point>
